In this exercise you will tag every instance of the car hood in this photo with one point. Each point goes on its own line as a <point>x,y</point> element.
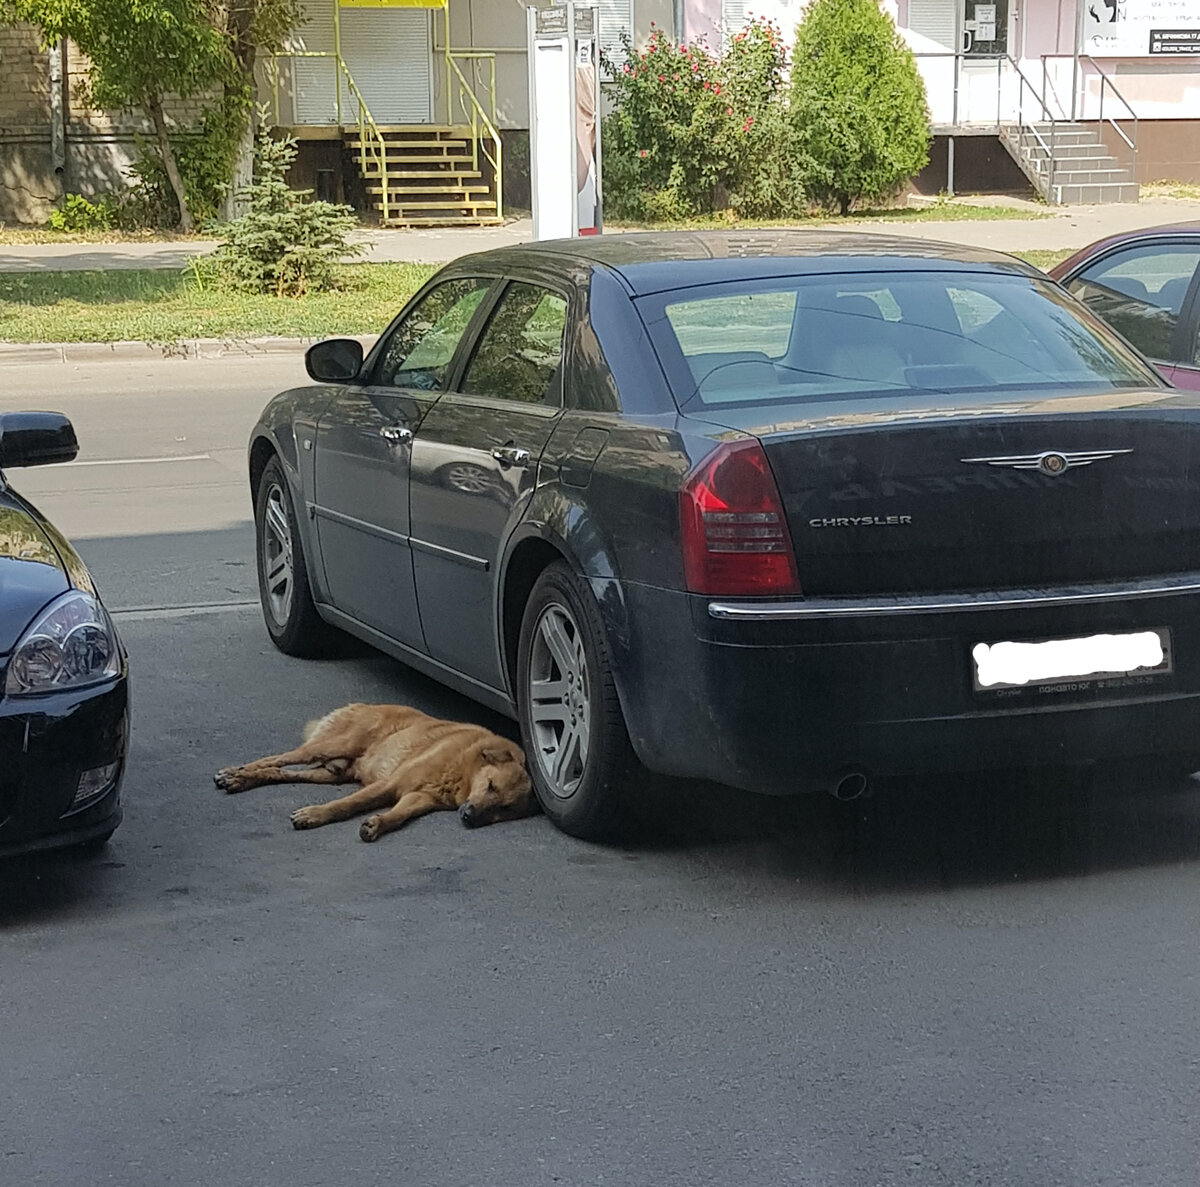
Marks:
<point>32,571</point>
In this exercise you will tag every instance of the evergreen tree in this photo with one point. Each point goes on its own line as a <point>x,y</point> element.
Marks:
<point>857,104</point>
<point>285,245</point>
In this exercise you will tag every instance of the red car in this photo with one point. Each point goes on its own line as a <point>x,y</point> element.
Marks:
<point>1146,285</point>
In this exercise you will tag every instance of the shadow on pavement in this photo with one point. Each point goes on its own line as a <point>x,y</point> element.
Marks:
<point>972,830</point>
<point>44,886</point>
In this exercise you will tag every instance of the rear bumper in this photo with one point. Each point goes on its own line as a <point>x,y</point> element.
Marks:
<point>46,744</point>
<point>793,701</point>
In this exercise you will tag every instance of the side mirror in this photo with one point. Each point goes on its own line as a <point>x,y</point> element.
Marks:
<point>36,439</point>
<point>334,360</point>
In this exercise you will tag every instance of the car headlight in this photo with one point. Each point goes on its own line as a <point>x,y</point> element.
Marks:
<point>71,643</point>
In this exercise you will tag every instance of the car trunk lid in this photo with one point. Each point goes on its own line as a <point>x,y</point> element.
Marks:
<point>1031,492</point>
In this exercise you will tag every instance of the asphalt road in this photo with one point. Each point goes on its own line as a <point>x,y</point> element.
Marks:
<point>971,983</point>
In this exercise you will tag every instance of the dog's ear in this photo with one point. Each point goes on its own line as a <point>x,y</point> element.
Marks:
<point>497,756</point>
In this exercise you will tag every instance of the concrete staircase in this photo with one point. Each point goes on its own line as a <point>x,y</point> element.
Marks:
<point>1083,172</point>
<point>434,176</point>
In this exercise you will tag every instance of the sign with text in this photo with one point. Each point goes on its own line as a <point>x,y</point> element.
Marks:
<point>1141,28</point>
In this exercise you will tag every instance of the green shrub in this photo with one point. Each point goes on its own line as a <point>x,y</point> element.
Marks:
<point>692,132</point>
<point>859,123</point>
<point>77,214</point>
<point>285,245</point>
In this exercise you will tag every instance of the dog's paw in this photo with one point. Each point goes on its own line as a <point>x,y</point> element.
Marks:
<point>369,829</point>
<point>228,779</point>
<point>309,817</point>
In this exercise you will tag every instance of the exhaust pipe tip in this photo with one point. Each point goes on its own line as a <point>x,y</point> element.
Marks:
<point>851,786</point>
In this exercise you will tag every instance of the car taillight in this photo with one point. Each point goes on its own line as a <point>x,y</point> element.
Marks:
<point>735,537</point>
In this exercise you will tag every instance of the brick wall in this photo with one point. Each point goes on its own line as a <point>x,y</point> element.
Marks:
<point>99,145</point>
<point>27,182</point>
<point>24,82</point>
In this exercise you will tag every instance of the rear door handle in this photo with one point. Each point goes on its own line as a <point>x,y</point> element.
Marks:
<point>396,434</point>
<point>508,456</point>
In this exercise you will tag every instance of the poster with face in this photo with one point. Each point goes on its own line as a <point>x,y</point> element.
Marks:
<point>586,170</point>
<point>1141,28</point>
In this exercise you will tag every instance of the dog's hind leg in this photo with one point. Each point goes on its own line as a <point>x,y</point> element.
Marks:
<point>410,805</point>
<point>270,769</point>
<point>374,795</point>
<point>264,775</point>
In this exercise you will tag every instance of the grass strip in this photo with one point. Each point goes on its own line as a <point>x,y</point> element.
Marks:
<point>159,306</point>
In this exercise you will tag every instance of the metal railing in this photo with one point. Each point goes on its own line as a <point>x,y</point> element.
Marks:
<point>1080,95</point>
<point>372,148</point>
<point>1030,128</point>
<point>1026,115</point>
<point>461,98</point>
<point>482,125</point>
<point>1032,116</point>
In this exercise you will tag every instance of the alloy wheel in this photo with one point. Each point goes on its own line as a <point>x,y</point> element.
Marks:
<point>277,562</point>
<point>559,705</point>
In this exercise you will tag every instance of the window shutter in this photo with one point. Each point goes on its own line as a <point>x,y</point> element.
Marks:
<point>616,17</point>
<point>934,19</point>
<point>733,18</point>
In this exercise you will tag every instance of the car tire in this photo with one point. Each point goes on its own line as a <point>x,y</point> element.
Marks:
<point>290,615</point>
<point>576,745</point>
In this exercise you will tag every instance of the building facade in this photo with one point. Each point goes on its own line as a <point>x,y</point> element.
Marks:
<point>419,108</point>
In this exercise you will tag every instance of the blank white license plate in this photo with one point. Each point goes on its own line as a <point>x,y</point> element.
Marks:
<point>1095,658</point>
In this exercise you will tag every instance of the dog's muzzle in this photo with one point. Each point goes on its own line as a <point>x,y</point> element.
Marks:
<point>469,816</point>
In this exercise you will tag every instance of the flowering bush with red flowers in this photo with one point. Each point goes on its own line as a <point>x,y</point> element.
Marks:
<point>692,132</point>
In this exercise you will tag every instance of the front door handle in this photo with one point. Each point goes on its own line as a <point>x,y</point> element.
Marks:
<point>509,456</point>
<point>396,434</point>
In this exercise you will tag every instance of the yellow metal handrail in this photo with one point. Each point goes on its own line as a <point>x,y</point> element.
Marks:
<point>372,148</point>
<point>367,123</point>
<point>482,125</point>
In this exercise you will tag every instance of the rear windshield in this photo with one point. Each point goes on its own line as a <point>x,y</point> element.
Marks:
<point>798,338</point>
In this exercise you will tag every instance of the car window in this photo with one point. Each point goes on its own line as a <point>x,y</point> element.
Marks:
<point>520,351</point>
<point>420,348</point>
<point>1140,291</point>
<point>810,337</point>
<point>758,322</point>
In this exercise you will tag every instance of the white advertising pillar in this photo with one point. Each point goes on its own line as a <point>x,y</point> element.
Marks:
<point>564,123</point>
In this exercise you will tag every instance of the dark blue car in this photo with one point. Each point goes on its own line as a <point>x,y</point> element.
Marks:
<point>780,510</point>
<point>64,718</point>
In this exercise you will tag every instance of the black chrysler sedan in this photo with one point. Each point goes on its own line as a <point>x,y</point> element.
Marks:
<point>782,510</point>
<point>63,672</point>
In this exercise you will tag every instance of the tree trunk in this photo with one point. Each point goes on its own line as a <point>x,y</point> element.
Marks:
<point>155,108</point>
<point>240,98</point>
<point>241,175</point>
<point>843,204</point>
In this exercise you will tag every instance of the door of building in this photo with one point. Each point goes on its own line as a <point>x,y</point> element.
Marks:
<point>988,85</point>
<point>978,86</point>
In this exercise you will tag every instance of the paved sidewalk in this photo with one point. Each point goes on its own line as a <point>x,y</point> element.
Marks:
<point>1069,227</point>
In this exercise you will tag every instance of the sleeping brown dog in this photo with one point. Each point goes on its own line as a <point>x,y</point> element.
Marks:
<point>408,763</point>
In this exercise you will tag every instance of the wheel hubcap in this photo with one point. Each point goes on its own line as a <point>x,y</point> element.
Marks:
<point>559,710</point>
<point>277,564</point>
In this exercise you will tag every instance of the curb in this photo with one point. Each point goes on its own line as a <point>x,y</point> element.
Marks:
<point>25,354</point>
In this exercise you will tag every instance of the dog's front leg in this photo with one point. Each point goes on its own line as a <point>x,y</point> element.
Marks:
<point>410,805</point>
<point>374,795</point>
